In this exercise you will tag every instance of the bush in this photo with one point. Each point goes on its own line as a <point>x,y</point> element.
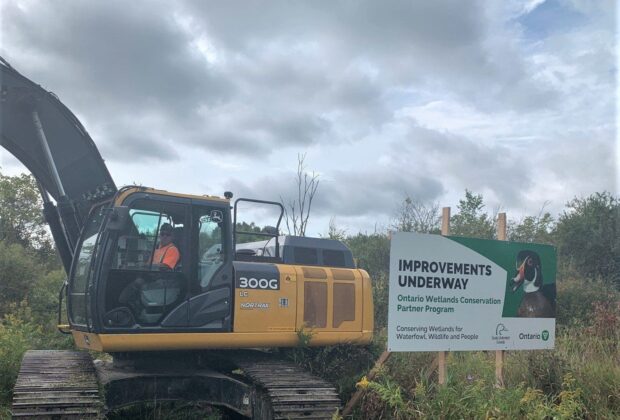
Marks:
<point>16,336</point>
<point>387,399</point>
<point>576,299</point>
<point>473,397</point>
<point>380,295</point>
<point>18,272</point>
<point>43,298</point>
<point>594,361</point>
<point>21,331</point>
<point>371,251</point>
<point>410,368</point>
<point>588,237</point>
<point>538,369</point>
<point>605,320</point>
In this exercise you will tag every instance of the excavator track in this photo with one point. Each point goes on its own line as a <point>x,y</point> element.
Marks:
<point>288,392</point>
<point>64,385</point>
<point>56,384</point>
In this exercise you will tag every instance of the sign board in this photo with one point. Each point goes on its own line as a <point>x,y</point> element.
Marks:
<point>451,293</point>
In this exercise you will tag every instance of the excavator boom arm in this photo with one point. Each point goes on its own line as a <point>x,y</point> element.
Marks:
<point>49,140</point>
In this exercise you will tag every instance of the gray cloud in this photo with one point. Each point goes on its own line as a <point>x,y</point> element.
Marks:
<point>287,74</point>
<point>374,192</point>
<point>132,148</point>
<point>346,194</point>
<point>261,81</point>
<point>447,44</point>
<point>464,163</point>
<point>129,54</point>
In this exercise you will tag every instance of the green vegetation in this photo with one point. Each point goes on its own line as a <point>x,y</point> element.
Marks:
<point>588,237</point>
<point>579,379</point>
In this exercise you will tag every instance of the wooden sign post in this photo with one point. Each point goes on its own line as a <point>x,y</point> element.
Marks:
<point>442,370</point>
<point>499,354</point>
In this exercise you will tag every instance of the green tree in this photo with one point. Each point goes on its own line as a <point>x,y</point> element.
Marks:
<point>415,216</point>
<point>588,236</point>
<point>371,251</point>
<point>334,232</point>
<point>43,297</point>
<point>21,217</point>
<point>471,220</point>
<point>248,237</point>
<point>19,270</point>
<point>21,220</point>
<point>373,255</point>
<point>538,229</point>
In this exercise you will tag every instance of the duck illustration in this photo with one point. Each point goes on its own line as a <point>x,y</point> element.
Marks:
<point>535,302</point>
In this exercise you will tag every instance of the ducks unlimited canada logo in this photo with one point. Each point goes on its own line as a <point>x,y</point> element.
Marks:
<point>501,335</point>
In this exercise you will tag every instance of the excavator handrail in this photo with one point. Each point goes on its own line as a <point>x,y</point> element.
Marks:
<point>63,328</point>
<point>275,235</point>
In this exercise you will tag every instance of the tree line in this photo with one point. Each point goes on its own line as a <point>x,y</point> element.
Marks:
<point>586,235</point>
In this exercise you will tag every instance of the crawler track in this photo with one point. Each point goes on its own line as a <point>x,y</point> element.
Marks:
<point>64,385</point>
<point>287,391</point>
<point>56,384</point>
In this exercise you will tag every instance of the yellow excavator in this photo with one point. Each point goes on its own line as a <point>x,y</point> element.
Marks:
<point>184,332</point>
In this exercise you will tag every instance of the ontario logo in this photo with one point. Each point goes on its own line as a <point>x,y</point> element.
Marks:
<point>501,335</point>
<point>544,336</point>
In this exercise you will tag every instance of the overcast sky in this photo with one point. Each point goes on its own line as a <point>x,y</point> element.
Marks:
<point>515,100</point>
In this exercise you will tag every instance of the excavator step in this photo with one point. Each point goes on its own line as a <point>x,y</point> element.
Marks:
<point>56,384</point>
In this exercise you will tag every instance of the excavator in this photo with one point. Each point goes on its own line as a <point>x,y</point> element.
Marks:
<point>205,330</point>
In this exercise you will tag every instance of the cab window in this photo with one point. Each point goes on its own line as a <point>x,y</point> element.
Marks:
<point>82,270</point>
<point>138,243</point>
<point>210,248</point>
<point>144,285</point>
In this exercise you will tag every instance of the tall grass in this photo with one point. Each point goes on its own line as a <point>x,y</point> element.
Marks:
<point>21,330</point>
<point>580,378</point>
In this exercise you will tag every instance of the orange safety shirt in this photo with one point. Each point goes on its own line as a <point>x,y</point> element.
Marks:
<point>168,255</point>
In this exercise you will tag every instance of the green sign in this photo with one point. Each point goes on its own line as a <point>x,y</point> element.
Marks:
<point>454,293</point>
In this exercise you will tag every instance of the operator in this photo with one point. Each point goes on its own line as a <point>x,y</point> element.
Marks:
<point>166,256</point>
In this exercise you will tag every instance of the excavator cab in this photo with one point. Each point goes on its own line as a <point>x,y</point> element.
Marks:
<point>115,286</point>
<point>138,288</point>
